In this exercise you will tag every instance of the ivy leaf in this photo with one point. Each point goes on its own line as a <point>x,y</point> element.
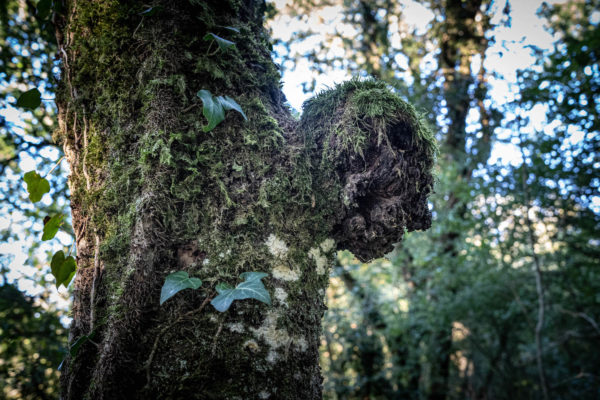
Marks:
<point>82,339</point>
<point>223,286</point>
<point>251,288</point>
<point>212,110</point>
<point>224,44</point>
<point>63,268</point>
<point>176,282</point>
<point>36,186</point>
<point>230,104</point>
<point>52,226</point>
<point>75,346</point>
<point>30,99</point>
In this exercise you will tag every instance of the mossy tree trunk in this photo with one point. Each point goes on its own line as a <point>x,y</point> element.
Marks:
<point>153,193</point>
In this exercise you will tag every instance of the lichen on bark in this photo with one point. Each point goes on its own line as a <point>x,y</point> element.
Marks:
<point>152,193</point>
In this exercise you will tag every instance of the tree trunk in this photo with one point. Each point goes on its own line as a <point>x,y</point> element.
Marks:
<point>462,38</point>
<point>153,193</point>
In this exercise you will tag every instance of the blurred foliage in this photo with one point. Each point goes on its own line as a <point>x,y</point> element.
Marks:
<point>32,337</point>
<point>453,313</point>
<point>27,61</point>
<point>32,347</point>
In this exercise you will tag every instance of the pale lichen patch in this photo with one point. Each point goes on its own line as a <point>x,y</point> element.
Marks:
<point>301,343</point>
<point>235,327</point>
<point>320,260</point>
<point>272,357</point>
<point>276,246</point>
<point>284,273</point>
<point>281,295</point>
<point>327,245</point>
<point>268,331</point>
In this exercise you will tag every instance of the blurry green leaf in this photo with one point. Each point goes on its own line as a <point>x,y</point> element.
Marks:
<point>36,186</point>
<point>251,288</point>
<point>230,104</point>
<point>63,268</point>
<point>176,282</point>
<point>224,44</point>
<point>52,226</point>
<point>232,28</point>
<point>212,110</point>
<point>43,9</point>
<point>30,99</point>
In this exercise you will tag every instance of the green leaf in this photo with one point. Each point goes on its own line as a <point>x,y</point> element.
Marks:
<point>82,339</point>
<point>176,282</point>
<point>43,9</point>
<point>223,286</point>
<point>52,226</point>
<point>30,99</point>
<point>232,28</point>
<point>224,44</point>
<point>251,288</point>
<point>212,110</point>
<point>63,268</point>
<point>36,186</point>
<point>230,104</point>
<point>75,346</point>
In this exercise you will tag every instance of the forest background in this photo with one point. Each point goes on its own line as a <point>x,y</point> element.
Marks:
<point>500,299</point>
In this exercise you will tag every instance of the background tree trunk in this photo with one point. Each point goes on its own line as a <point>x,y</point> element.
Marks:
<point>152,193</point>
<point>462,37</point>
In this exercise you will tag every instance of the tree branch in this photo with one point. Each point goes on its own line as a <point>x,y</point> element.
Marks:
<point>538,284</point>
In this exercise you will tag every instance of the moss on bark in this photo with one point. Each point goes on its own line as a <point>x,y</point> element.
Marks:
<point>152,193</point>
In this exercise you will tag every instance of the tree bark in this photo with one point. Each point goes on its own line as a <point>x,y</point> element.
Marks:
<point>153,193</point>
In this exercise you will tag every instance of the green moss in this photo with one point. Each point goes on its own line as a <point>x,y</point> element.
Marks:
<point>352,111</point>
